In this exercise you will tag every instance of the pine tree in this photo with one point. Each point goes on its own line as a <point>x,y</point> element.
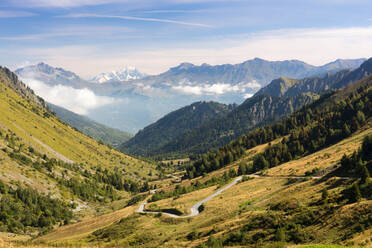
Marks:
<point>361,117</point>
<point>365,174</point>
<point>325,196</point>
<point>346,130</point>
<point>357,196</point>
<point>367,148</point>
<point>242,170</point>
<point>280,234</point>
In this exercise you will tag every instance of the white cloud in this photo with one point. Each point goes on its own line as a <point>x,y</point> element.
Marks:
<point>132,18</point>
<point>162,11</point>
<point>250,85</point>
<point>195,90</point>
<point>77,3</point>
<point>248,95</point>
<point>15,14</point>
<point>60,3</point>
<point>217,88</point>
<point>80,101</point>
<point>213,89</point>
<point>74,31</point>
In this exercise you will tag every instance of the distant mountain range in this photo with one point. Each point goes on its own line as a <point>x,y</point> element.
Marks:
<point>278,99</point>
<point>143,101</point>
<point>234,82</point>
<point>126,74</point>
<point>252,71</point>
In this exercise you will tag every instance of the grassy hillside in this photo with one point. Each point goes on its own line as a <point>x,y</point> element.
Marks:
<point>64,166</point>
<point>249,214</point>
<point>97,131</point>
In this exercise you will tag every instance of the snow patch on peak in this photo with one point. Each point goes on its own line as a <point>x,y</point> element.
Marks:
<point>125,74</point>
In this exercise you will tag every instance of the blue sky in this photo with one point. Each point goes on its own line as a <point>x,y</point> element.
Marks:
<point>93,36</point>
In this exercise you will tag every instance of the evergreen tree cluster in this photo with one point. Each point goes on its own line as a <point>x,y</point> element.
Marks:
<point>358,164</point>
<point>24,208</point>
<point>101,185</point>
<point>119,182</point>
<point>315,126</point>
<point>329,127</point>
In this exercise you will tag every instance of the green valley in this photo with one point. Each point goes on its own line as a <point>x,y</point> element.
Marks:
<point>185,124</point>
<point>304,180</point>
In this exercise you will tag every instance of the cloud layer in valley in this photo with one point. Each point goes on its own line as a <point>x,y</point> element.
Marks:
<point>217,89</point>
<point>80,101</point>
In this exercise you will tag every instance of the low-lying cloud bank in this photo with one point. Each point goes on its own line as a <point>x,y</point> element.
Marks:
<point>80,101</point>
<point>217,89</point>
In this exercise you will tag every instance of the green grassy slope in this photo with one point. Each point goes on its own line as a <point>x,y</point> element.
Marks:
<point>40,152</point>
<point>270,211</point>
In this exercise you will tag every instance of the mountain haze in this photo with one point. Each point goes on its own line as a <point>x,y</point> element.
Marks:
<point>278,99</point>
<point>91,128</point>
<point>147,99</point>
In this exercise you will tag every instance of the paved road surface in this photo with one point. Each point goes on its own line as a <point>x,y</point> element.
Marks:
<point>194,209</point>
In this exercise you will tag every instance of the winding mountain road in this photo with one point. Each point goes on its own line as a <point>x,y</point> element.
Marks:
<point>194,209</point>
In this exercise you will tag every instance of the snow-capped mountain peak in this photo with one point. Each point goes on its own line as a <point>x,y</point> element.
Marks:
<point>125,74</point>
